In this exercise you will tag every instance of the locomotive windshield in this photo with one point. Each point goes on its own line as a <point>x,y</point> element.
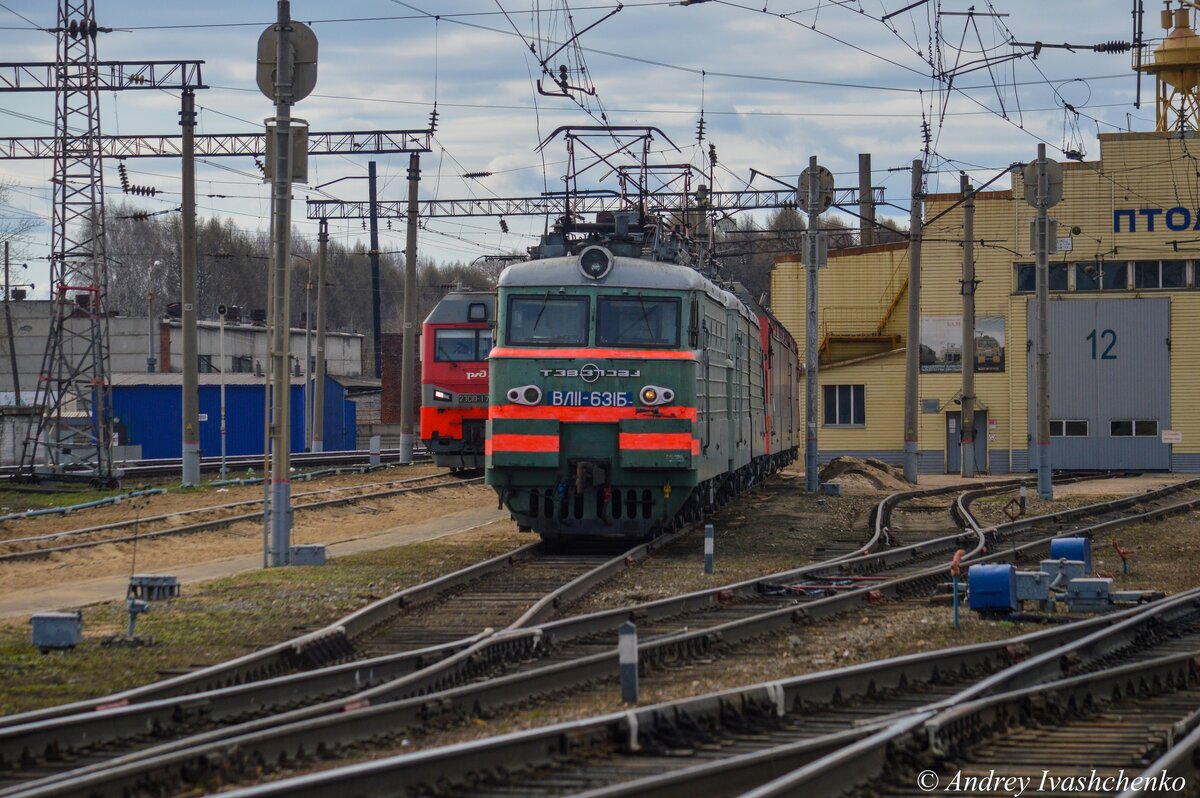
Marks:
<point>547,320</point>
<point>451,345</point>
<point>637,321</point>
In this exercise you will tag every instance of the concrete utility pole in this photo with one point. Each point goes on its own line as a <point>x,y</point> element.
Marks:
<point>1042,269</point>
<point>12,342</point>
<point>376,322</point>
<point>151,361</point>
<point>967,453</point>
<point>281,483</point>
<point>812,477</point>
<point>318,423</point>
<point>866,201</point>
<point>187,259</point>
<point>224,470</point>
<point>912,348</point>
<point>409,360</point>
<point>308,359</point>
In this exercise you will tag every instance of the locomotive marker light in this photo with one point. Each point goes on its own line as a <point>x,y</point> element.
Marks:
<point>525,395</point>
<point>595,262</point>
<point>652,395</point>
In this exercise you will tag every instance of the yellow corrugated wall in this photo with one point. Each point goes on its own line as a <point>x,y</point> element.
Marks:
<point>1135,171</point>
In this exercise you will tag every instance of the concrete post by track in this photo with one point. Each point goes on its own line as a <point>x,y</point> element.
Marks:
<point>318,434</point>
<point>912,346</point>
<point>409,360</point>
<point>967,418</point>
<point>187,259</point>
<point>812,479</point>
<point>1042,269</point>
<point>376,319</point>
<point>280,478</point>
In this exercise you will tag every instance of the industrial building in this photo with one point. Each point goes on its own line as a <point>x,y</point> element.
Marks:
<point>141,402</point>
<point>134,341</point>
<point>1124,321</point>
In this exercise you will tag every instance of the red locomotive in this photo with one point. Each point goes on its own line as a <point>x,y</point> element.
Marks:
<point>455,342</point>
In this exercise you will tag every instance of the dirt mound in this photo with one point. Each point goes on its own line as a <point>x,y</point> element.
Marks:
<point>865,473</point>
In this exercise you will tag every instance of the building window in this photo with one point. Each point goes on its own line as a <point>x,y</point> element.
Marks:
<point>845,406</point>
<point>1068,429</point>
<point>1129,428</point>
<point>1160,274</point>
<point>242,364</point>
<point>1027,277</point>
<point>205,364</point>
<point>1100,276</point>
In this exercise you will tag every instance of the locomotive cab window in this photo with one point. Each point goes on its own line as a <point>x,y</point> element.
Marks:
<point>547,321</point>
<point>637,321</point>
<point>453,345</point>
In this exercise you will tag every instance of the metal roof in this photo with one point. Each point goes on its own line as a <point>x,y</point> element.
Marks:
<point>626,273</point>
<point>174,378</point>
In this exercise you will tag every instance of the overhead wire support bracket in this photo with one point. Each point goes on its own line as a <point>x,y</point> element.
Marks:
<point>107,75</point>
<point>228,145</point>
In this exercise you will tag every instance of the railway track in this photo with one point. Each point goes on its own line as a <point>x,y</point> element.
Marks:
<point>733,741</point>
<point>728,742</point>
<point>163,467</point>
<point>407,703</point>
<point>374,649</point>
<point>15,549</point>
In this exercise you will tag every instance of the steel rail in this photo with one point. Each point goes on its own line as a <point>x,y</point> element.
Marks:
<point>366,717</point>
<point>1134,634</point>
<point>325,644</point>
<point>320,646</point>
<point>150,519</point>
<point>219,523</point>
<point>937,735</point>
<point>1181,759</point>
<point>801,701</point>
<point>326,686</point>
<point>170,465</point>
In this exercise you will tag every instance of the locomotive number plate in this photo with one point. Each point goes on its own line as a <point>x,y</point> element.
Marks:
<point>591,398</point>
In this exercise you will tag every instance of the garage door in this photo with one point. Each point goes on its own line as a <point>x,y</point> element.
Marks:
<point>1110,383</point>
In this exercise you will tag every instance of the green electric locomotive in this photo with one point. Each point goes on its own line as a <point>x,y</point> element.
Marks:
<point>629,394</point>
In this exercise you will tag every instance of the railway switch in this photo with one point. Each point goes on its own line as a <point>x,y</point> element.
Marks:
<point>1063,570</point>
<point>1073,549</point>
<point>992,588</point>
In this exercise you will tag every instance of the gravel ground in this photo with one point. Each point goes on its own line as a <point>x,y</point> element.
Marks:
<point>175,500</point>
<point>773,528</point>
<point>226,618</point>
<point>163,554</point>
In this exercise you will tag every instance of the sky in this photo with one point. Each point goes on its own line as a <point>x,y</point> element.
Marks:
<point>775,80</point>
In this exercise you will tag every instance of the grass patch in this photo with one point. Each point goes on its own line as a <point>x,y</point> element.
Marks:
<point>224,618</point>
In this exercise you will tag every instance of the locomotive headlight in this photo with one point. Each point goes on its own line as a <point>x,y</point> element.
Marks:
<point>652,395</point>
<point>525,395</point>
<point>441,396</point>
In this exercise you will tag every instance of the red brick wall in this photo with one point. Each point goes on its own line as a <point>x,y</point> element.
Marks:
<point>393,351</point>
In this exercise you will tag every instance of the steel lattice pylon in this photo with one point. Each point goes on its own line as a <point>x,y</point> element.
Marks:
<point>75,430</point>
